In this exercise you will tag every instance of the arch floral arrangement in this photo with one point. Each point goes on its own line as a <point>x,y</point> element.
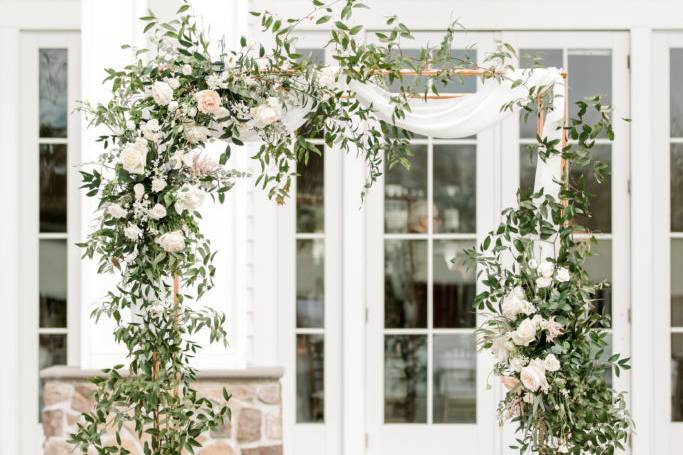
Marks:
<point>154,175</point>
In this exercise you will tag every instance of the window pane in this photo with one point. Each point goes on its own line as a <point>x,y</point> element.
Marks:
<point>405,283</point>
<point>53,177</point>
<point>310,195</point>
<point>676,97</point>
<point>677,282</point>
<point>530,58</point>
<point>455,183</point>
<point>677,187</point>
<point>454,286</point>
<point>590,74</point>
<point>405,195</point>
<point>51,351</point>
<point>310,378</point>
<point>52,283</point>
<point>313,55</point>
<point>677,377</point>
<point>466,58</point>
<point>405,379</point>
<point>455,379</point>
<point>599,268</point>
<point>409,82</point>
<point>600,193</point>
<point>528,158</point>
<point>53,92</point>
<point>310,283</point>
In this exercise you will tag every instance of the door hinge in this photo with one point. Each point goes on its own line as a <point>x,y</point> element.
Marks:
<point>367,314</point>
<point>628,187</point>
<point>367,441</point>
<point>629,315</point>
<point>628,61</point>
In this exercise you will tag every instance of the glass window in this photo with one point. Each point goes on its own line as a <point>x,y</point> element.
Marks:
<point>676,224</point>
<point>53,92</point>
<point>455,378</point>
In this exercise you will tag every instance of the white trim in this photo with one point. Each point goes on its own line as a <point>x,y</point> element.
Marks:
<point>41,15</point>
<point>9,245</point>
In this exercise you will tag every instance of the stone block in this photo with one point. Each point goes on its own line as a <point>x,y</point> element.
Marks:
<point>57,447</point>
<point>56,392</point>
<point>53,423</point>
<point>249,425</point>
<point>219,448</point>
<point>273,427</point>
<point>269,393</point>
<point>223,431</point>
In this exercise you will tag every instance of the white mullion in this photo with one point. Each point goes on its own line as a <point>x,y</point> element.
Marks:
<point>310,236</point>
<point>676,235</point>
<point>53,331</point>
<point>53,236</point>
<point>453,331</point>
<point>676,140</point>
<point>430,276</point>
<point>309,331</point>
<point>411,331</point>
<point>53,140</point>
<point>676,329</point>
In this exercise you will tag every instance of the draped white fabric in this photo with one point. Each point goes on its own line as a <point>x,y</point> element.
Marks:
<point>464,116</point>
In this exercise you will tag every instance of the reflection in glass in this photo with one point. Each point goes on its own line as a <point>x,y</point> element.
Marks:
<point>51,351</point>
<point>310,194</point>
<point>531,58</point>
<point>676,94</point>
<point>53,177</point>
<point>455,378</point>
<point>528,158</point>
<point>676,167</point>
<point>454,286</point>
<point>53,92</point>
<point>677,377</point>
<point>405,379</point>
<point>310,283</point>
<point>310,378</point>
<point>591,74</point>
<point>52,283</point>
<point>405,195</point>
<point>455,182</point>
<point>600,193</point>
<point>677,282</point>
<point>405,283</point>
<point>599,268</point>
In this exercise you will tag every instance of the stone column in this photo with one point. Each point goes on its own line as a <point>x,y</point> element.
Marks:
<point>256,404</point>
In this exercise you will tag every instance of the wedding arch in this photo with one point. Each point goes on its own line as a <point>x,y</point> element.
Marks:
<point>153,176</point>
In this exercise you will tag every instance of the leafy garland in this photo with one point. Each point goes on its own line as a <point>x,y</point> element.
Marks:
<point>542,323</point>
<point>154,175</point>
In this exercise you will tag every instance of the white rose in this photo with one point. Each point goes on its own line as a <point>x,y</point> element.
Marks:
<point>517,363</point>
<point>551,363</point>
<point>562,275</point>
<point>158,184</point>
<point>546,269</point>
<point>157,212</point>
<point>208,101</point>
<point>173,82</point>
<point>134,156</point>
<point>189,198</point>
<point>543,282</point>
<point>327,77</point>
<point>116,211</point>
<point>514,303</point>
<point>162,93</point>
<point>139,190</point>
<point>501,348</point>
<point>268,113</point>
<point>172,242</point>
<point>528,308</point>
<point>150,130</point>
<point>533,265</point>
<point>532,378</point>
<point>195,133</point>
<point>173,106</point>
<point>525,333</point>
<point>186,70</point>
<point>130,125</point>
<point>133,232</point>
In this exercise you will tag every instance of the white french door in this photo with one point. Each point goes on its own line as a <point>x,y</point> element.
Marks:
<point>426,384</point>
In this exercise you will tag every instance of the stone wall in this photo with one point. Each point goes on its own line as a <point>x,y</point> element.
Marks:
<point>256,403</point>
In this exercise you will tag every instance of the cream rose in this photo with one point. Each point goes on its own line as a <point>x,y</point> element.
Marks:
<point>134,156</point>
<point>186,70</point>
<point>195,133</point>
<point>546,269</point>
<point>208,101</point>
<point>514,303</point>
<point>157,212</point>
<point>509,382</point>
<point>525,333</point>
<point>268,113</point>
<point>551,363</point>
<point>517,363</point>
<point>162,93</point>
<point>139,190</point>
<point>172,242</point>
<point>189,198</point>
<point>133,232</point>
<point>158,184</point>
<point>116,211</point>
<point>543,282</point>
<point>562,275</point>
<point>532,377</point>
